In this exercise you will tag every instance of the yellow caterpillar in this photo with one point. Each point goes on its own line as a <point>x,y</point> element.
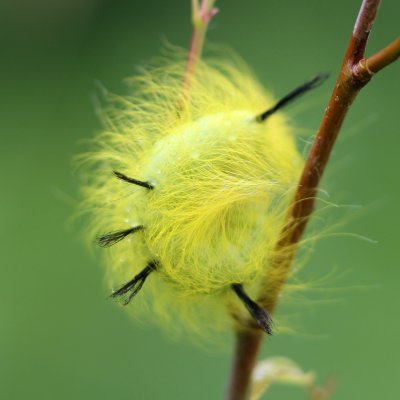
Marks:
<point>192,190</point>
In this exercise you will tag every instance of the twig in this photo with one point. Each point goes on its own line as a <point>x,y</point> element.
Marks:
<point>247,346</point>
<point>201,17</point>
<point>354,74</point>
<point>380,60</point>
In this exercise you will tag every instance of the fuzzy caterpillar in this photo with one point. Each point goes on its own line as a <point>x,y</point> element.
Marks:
<point>192,197</point>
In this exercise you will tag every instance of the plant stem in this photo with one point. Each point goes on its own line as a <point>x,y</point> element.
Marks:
<point>201,17</point>
<point>248,343</point>
<point>354,74</point>
<point>381,59</point>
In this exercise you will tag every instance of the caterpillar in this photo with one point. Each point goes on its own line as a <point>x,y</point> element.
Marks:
<point>188,193</point>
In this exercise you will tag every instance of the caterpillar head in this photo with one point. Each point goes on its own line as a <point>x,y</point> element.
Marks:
<point>202,193</point>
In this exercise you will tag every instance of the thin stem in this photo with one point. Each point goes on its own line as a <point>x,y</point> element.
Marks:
<point>351,79</point>
<point>362,28</point>
<point>383,58</point>
<point>248,344</point>
<point>201,17</point>
<point>354,74</point>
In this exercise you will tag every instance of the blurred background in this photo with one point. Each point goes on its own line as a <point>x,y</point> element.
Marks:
<point>60,337</point>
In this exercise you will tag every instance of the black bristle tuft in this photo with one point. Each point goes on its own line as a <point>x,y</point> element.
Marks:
<point>311,84</point>
<point>125,178</point>
<point>261,316</point>
<point>133,286</point>
<point>112,238</point>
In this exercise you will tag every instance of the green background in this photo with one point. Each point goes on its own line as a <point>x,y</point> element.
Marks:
<point>60,338</point>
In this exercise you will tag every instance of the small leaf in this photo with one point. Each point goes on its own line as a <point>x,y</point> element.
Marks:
<point>278,370</point>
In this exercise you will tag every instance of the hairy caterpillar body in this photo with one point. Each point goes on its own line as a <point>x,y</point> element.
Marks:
<point>192,191</point>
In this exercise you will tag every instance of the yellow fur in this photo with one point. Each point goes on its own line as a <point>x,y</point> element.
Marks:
<point>222,184</point>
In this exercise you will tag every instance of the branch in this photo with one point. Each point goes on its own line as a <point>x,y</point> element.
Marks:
<point>201,17</point>
<point>354,74</point>
<point>247,346</point>
<point>380,60</point>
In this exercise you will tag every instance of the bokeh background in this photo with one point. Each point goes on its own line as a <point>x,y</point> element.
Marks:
<point>60,337</point>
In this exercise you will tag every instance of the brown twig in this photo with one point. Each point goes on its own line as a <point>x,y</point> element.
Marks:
<point>380,60</point>
<point>247,346</point>
<point>354,74</point>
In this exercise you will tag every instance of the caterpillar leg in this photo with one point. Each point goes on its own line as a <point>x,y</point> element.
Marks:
<point>261,316</point>
<point>133,286</point>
